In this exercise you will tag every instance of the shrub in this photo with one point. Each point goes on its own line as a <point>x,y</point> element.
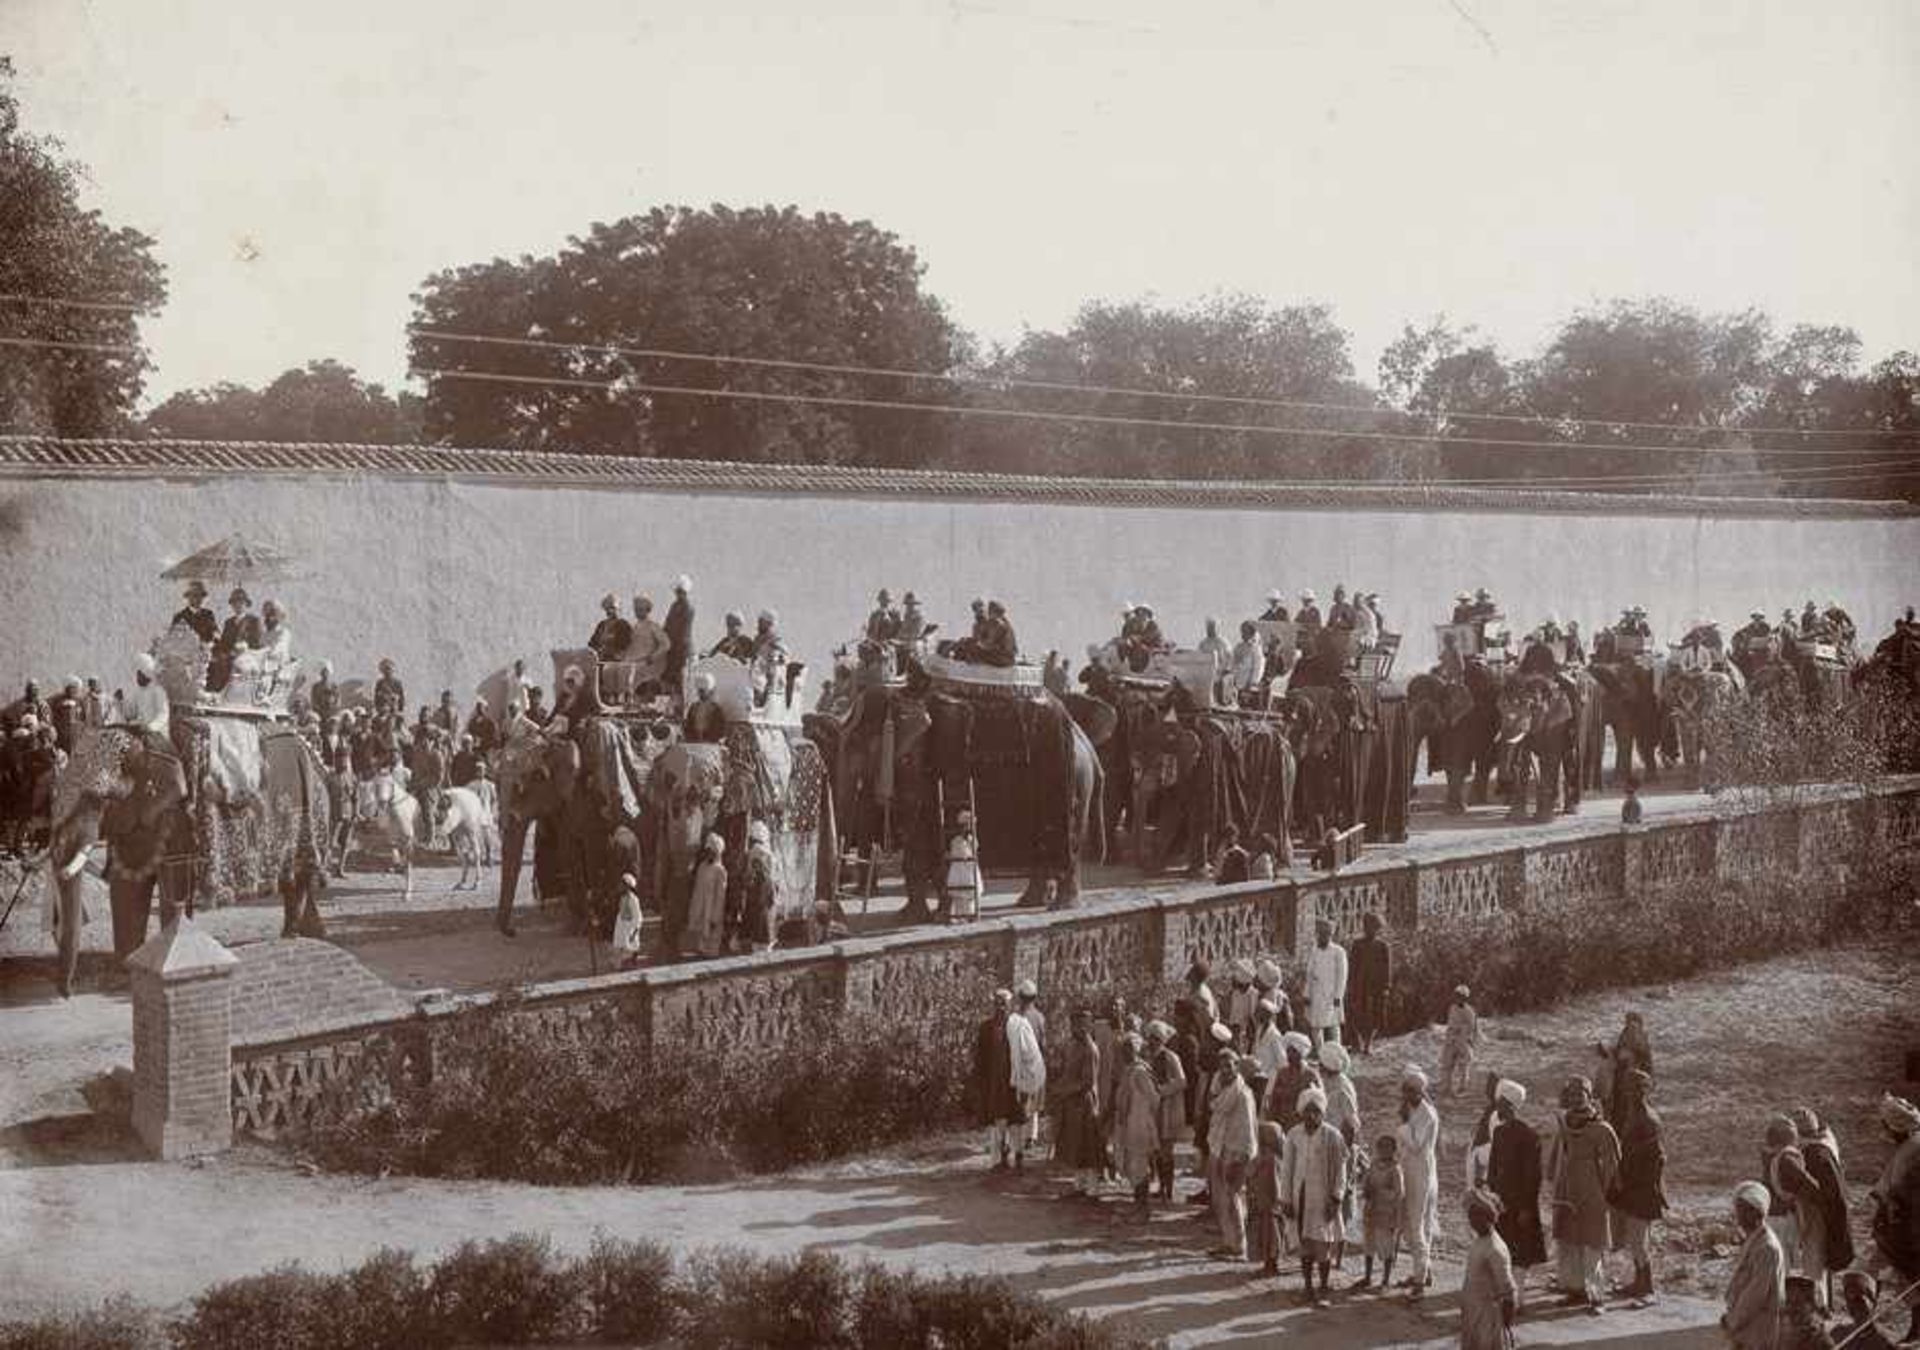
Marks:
<point>629,1290</point>
<point>288,1308</point>
<point>514,1291</point>
<point>519,1098</point>
<point>518,1292</point>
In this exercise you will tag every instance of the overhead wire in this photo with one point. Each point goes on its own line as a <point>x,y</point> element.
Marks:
<point>1060,386</point>
<point>621,385</point>
<point>113,349</point>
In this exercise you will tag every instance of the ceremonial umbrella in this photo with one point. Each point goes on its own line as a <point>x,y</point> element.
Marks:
<point>232,561</point>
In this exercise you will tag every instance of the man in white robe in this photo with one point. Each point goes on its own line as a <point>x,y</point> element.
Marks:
<point>1326,985</point>
<point>1419,1149</point>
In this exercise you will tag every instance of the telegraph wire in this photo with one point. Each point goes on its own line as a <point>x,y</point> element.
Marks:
<point>1059,386</point>
<point>1105,419</point>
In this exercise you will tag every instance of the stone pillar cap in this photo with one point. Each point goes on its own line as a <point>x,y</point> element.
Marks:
<point>182,950</point>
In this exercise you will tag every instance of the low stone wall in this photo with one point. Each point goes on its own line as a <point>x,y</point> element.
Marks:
<point>278,1077</point>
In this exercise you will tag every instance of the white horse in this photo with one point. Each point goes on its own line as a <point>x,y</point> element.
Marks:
<point>470,828</point>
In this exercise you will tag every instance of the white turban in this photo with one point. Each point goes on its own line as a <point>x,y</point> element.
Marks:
<point>1241,970</point>
<point>1027,989</point>
<point>769,616</point>
<point>717,844</point>
<point>1295,1040</point>
<point>609,601</point>
<point>1755,1194</point>
<point>703,682</point>
<point>1334,1057</point>
<point>1311,1096</point>
<point>1267,974</point>
<point>1222,1033</point>
<point>1415,1075</point>
<point>144,664</point>
<point>1508,1091</point>
<point>683,583</point>
<point>759,833</point>
<point>1266,1005</point>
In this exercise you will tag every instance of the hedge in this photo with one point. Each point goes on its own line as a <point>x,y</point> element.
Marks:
<point>519,1291</point>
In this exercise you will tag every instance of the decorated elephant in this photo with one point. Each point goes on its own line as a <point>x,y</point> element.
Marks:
<point>138,794</point>
<point>1538,737</point>
<point>905,754</point>
<point>1689,698</point>
<point>576,788</point>
<point>685,793</point>
<point>1036,782</point>
<point>1630,709</point>
<point>1460,719</point>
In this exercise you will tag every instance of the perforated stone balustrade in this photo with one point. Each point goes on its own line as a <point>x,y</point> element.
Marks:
<point>306,1028</point>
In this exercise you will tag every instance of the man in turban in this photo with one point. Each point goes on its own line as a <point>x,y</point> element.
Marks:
<point>1489,1298</point>
<point>612,634</point>
<point>1326,981</point>
<point>1583,1161</point>
<point>679,629</point>
<point>1513,1174</point>
<point>1314,1189</point>
<point>1896,1199</point>
<point>1757,1285</point>
<point>1419,1149</point>
<point>736,645</point>
<point>705,720</point>
<point>146,706</point>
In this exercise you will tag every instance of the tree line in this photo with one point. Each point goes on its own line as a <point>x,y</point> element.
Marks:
<point>837,353</point>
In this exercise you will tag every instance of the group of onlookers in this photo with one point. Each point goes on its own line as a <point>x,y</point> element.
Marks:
<point>1255,1076</point>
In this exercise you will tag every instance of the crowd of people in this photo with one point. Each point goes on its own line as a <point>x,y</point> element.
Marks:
<point>1251,1081</point>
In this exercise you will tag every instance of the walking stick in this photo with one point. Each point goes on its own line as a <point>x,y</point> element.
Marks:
<point>27,873</point>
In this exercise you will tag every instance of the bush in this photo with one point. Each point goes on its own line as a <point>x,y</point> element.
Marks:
<point>288,1307</point>
<point>515,1291</point>
<point>629,1290</point>
<point>520,1098</point>
<point>518,1292</point>
<point>1518,960</point>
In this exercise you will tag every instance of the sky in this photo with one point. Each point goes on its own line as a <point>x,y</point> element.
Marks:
<point>304,167</point>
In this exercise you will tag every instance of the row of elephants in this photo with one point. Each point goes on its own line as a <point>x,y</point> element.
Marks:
<point>1051,778</point>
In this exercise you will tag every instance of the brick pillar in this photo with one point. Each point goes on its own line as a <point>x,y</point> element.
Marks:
<point>1633,861</point>
<point>182,1051</point>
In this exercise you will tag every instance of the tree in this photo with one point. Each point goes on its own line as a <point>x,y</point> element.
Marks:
<point>761,283</point>
<point>1231,346</point>
<point>51,249</point>
<point>325,401</point>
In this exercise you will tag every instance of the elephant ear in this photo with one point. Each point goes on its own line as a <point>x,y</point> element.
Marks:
<point>96,769</point>
<point>1559,709</point>
<point>1096,717</point>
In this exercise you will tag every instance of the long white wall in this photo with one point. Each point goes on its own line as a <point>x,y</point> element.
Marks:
<point>455,578</point>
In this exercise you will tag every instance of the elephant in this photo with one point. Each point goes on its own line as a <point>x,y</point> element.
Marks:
<point>1630,708</point>
<point>1462,718</point>
<point>684,795</point>
<point>1689,698</point>
<point>1538,730</point>
<point>549,783</point>
<point>133,792</point>
<point>1589,767</point>
<point>1037,785</point>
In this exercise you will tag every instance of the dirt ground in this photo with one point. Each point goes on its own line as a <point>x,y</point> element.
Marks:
<point>83,1217</point>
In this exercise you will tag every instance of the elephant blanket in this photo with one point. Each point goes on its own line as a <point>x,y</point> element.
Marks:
<point>1025,821</point>
<point>241,849</point>
<point>775,774</point>
<point>1387,784</point>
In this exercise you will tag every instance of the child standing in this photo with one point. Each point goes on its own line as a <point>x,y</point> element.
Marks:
<point>1232,865</point>
<point>626,928</point>
<point>1383,1196</point>
<point>1463,1034</point>
<point>1263,1201</point>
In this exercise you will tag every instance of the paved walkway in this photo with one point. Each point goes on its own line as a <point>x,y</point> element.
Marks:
<point>444,939</point>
